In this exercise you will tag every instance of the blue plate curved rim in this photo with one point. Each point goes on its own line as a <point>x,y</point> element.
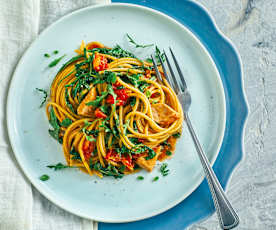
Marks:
<point>199,204</point>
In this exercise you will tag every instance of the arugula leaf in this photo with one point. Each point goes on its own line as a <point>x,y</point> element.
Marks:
<point>56,61</point>
<point>66,122</point>
<point>155,178</point>
<point>164,170</point>
<point>70,106</point>
<point>104,109</point>
<point>111,77</point>
<point>90,138</point>
<point>165,143</point>
<point>137,45</point>
<point>125,127</point>
<point>55,124</point>
<point>176,135</point>
<point>110,170</point>
<point>44,97</point>
<point>98,100</point>
<point>60,166</point>
<point>148,94</point>
<point>132,101</point>
<point>143,85</point>
<point>168,153</point>
<point>76,155</point>
<point>140,178</point>
<point>162,55</point>
<point>44,177</point>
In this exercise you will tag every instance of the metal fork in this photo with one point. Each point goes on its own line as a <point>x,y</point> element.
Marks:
<point>228,218</point>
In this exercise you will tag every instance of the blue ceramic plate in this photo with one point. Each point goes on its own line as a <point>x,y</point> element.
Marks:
<point>199,204</point>
<point>110,200</point>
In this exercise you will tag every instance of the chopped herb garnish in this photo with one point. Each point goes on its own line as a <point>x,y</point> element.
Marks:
<point>164,170</point>
<point>137,45</point>
<point>176,135</point>
<point>168,153</point>
<point>165,143</point>
<point>60,166</point>
<point>110,170</point>
<point>157,53</point>
<point>55,124</point>
<point>148,94</point>
<point>44,97</point>
<point>55,52</point>
<point>44,177</point>
<point>111,77</point>
<point>125,127</point>
<point>66,122</point>
<point>56,61</point>
<point>46,55</point>
<point>132,101</point>
<point>155,178</point>
<point>90,138</point>
<point>140,178</point>
<point>104,109</point>
<point>76,155</point>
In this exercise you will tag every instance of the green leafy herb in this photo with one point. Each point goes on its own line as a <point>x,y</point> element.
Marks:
<point>148,94</point>
<point>110,170</point>
<point>137,45</point>
<point>76,155</point>
<point>122,168</point>
<point>60,166</point>
<point>140,178</point>
<point>98,100</point>
<point>67,101</point>
<point>111,77</point>
<point>104,109</point>
<point>56,128</point>
<point>164,170</point>
<point>132,101</point>
<point>155,178</point>
<point>56,61</point>
<point>154,101</point>
<point>90,138</point>
<point>44,177</point>
<point>55,52</point>
<point>47,55</point>
<point>165,143</point>
<point>44,97</point>
<point>125,127</point>
<point>66,122</point>
<point>168,153</point>
<point>142,85</point>
<point>176,135</point>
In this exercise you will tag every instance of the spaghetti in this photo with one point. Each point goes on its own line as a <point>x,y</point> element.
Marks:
<point>111,114</point>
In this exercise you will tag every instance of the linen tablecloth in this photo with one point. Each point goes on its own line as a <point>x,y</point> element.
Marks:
<point>21,206</point>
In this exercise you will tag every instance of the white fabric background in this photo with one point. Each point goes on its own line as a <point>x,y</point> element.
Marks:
<point>21,206</point>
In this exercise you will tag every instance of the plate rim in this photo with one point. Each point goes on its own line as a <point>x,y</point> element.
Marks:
<point>47,194</point>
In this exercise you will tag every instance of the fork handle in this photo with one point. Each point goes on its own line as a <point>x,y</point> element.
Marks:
<point>227,216</point>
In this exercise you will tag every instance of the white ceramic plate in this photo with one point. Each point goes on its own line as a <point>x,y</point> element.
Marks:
<point>109,199</point>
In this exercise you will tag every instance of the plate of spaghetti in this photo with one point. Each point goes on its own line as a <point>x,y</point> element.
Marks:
<point>112,145</point>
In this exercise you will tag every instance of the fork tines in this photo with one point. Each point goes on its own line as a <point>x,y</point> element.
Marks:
<point>176,85</point>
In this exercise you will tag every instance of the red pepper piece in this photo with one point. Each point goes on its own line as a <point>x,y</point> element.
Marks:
<point>100,62</point>
<point>99,113</point>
